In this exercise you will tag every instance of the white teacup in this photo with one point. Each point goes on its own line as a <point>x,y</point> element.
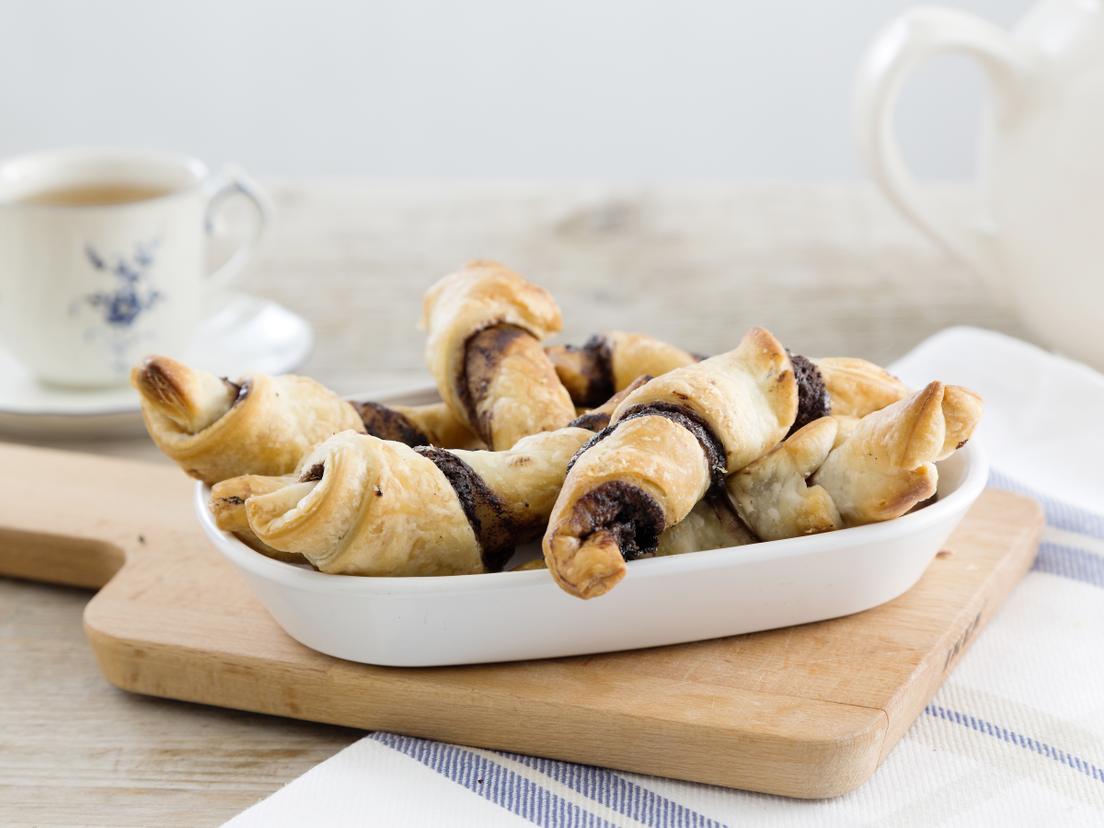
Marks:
<point>103,257</point>
<point>1034,225</point>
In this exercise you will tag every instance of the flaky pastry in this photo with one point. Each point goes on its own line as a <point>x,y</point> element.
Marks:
<point>365,506</point>
<point>485,325</point>
<point>670,441</point>
<point>215,429</point>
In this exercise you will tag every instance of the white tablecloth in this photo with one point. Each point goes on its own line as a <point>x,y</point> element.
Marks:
<point>1015,737</point>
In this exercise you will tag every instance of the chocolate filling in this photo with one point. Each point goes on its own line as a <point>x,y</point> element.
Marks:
<point>813,399</point>
<point>692,422</point>
<point>243,389</point>
<point>496,529</point>
<point>315,472</point>
<point>388,424</point>
<point>591,421</point>
<point>483,352</point>
<point>595,371</point>
<point>630,515</point>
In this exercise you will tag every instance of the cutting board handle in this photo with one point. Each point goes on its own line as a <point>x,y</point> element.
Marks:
<point>58,559</point>
<point>78,519</point>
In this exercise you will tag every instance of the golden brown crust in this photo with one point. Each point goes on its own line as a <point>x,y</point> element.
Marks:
<point>885,466</point>
<point>369,507</point>
<point>517,395</point>
<point>962,410</point>
<point>634,354</point>
<point>858,387</point>
<point>355,507</point>
<point>747,397</point>
<point>266,430</point>
<point>191,399</point>
<point>659,460</point>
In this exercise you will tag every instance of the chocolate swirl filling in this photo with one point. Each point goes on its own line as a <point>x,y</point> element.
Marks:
<point>497,529</point>
<point>388,424</point>
<point>813,399</point>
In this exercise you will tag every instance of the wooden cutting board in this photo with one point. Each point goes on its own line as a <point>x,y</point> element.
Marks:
<point>808,711</point>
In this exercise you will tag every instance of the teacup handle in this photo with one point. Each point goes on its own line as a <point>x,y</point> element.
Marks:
<point>965,226</point>
<point>231,180</point>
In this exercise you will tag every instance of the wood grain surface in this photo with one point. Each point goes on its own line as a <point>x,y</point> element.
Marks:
<point>830,268</point>
<point>807,711</point>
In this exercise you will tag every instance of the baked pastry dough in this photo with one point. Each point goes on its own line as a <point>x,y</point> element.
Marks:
<point>485,324</point>
<point>771,495</point>
<point>365,506</point>
<point>842,471</point>
<point>858,387</point>
<point>215,429</point>
<point>670,441</point>
<point>711,524</point>
<point>885,464</point>
<point>609,362</point>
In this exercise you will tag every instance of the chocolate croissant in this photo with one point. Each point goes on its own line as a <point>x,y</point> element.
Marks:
<point>485,325</point>
<point>365,506</point>
<point>670,442</point>
<point>216,429</point>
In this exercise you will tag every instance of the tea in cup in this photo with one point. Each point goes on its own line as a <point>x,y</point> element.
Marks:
<point>103,257</point>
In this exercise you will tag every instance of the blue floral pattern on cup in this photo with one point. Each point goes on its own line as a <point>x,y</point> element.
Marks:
<point>119,309</point>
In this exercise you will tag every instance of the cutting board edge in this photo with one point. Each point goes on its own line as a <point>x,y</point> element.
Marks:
<point>835,764</point>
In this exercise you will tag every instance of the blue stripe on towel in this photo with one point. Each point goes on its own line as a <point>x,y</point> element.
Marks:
<point>1059,514</point>
<point>618,794</point>
<point>1026,742</point>
<point>1070,562</point>
<point>540,806</point>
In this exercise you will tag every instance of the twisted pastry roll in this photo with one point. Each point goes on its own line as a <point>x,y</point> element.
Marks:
<point>215,429</point>
<point>886,463</point>
<point>365,506</point>
<point>711,524</point>
<point>609,362</point>
<point>485,324</point>
<point>842,471</point>
<point>487,493</point>
<point>670,441</point>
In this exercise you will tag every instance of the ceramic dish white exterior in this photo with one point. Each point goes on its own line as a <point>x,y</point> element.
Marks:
<point>511,616</point>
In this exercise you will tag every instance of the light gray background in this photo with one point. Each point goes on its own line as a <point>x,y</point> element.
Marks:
<point>634,89</point>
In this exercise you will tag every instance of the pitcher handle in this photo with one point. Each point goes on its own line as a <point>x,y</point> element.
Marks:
<point>963,226</point>
<point>231,180</point>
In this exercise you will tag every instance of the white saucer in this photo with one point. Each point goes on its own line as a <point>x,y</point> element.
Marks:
<point>247,334</point>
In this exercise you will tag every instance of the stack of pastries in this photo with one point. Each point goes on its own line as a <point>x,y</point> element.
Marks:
<point>622,448</point>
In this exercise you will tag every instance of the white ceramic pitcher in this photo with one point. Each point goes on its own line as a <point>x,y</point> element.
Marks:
<point>1035,224</point>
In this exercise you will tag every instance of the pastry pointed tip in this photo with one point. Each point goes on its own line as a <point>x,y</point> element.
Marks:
<point>191,398</point>
<point>919,439</point>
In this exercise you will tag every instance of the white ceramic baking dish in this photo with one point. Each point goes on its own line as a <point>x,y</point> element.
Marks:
<point>510,616</point>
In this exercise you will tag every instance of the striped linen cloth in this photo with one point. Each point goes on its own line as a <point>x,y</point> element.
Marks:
<point>1015,737</point>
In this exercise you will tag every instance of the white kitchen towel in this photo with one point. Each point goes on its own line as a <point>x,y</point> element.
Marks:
<point>1015,737</point>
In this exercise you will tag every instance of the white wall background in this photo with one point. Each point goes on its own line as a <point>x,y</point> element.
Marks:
<point>641,89</point>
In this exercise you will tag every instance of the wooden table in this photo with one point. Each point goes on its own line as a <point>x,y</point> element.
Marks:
<point>830,269</point>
